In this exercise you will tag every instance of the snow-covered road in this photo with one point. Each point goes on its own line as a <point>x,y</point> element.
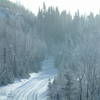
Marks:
<point>35,88</point>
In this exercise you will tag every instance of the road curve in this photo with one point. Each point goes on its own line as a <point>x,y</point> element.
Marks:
<point>36,87</point>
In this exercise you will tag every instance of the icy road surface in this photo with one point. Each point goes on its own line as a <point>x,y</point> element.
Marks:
<point>35,88</point>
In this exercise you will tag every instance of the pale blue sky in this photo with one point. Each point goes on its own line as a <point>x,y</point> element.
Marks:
<point>84,6</point>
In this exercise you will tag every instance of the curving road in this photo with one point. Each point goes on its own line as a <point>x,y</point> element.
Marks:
<point>35,88</point>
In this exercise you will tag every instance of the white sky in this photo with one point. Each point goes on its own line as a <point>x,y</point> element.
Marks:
<point>84,6</point>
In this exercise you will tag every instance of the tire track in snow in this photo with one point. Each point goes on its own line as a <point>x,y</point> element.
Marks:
<point>36,88</point>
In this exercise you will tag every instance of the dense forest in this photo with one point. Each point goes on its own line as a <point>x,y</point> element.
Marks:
<point>21,50</point>
<point>74,41</point>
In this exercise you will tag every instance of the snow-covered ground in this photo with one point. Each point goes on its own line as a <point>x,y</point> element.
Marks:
<point>33,88</point>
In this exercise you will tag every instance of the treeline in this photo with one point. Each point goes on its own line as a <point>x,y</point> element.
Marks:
<point>75,43</point>
<point>21,50</point>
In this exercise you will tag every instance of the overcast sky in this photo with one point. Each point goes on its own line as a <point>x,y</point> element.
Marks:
<point>84,6</point>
